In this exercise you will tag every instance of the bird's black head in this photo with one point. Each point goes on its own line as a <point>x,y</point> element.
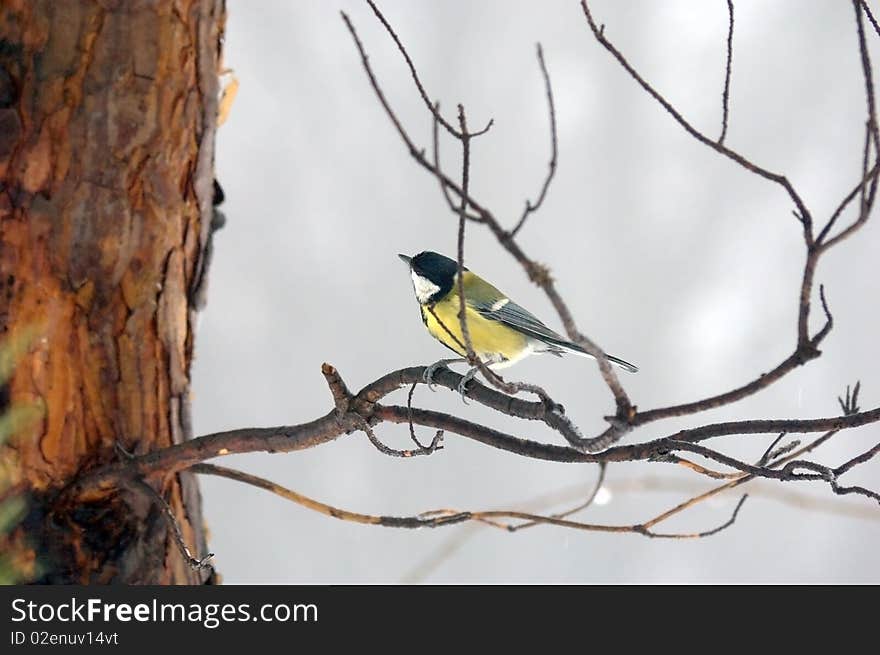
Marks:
<point>433,275</point>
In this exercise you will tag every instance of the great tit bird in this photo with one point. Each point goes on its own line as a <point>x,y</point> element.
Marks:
<point>502,332</point>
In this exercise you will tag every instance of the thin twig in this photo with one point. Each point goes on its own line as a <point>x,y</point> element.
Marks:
<point>725,96</point>
<point>600,480</point>
<point>781,180</point>
<point>801,470</point>
<point>435,134</point>
<point>443,517</point>
<point>418,82</point>
<point>858,459</point>
<point>465,138</point>
<point>713,531</point>
<point>741,479</point>
<point>787,497</point>
<point>759,383</point>
<point>671,458</point>
<point>869,182</point>
<point>393,452</point>
<point>804,352</point>
<point>436,442</point>
<point>194,563</point>
<point>870,17</point>
<point>468,347</point>
<point>859,190</point>
<point>768,453</point>
<point>865,58</point>
<point>554,145</point>
<point>850,404</point>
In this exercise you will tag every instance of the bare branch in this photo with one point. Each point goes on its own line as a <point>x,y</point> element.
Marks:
<point>393,452</point>
<point>794,469</point>
<point>462,221</point>
<point>415,76</point>
<point>323,508</point>
<point>781,180</point>
<point>867,187</point>
<point>865,58</point>
<point>194,563</point>
<point>861,491</point>
<point>444,517</point>
<point>850,404</point>
<point>600,479</point>
<point>338,389</point>
<point>742,478</point>
<point>806,348</point>
<point>671,458</point>
<point>859,190</point>
<point>364,410</point>
<point>554,145</point>
<point>706,533</point>
<point>440,178</point>
<point>725,96</point>
<point>626,417</point>
<point>855,461</point>
<point>870,17</point>
<point>769,452</point>
<point>641,451</point>
<point>761,382</point>
<point>436,442</point>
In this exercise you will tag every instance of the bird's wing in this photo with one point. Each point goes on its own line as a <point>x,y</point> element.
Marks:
<point>490,303</point>
<point>519,318</point>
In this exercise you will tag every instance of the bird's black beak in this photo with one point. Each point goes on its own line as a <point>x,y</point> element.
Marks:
<point>406,260</point>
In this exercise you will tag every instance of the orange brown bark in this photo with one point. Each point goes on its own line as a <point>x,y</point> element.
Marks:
<point>107,119</point>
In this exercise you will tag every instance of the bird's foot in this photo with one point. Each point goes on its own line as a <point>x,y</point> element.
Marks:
<point>431,371</point>
<point>462,386</point>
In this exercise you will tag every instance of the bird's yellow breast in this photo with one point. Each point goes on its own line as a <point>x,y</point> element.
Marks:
<point>492,341</point>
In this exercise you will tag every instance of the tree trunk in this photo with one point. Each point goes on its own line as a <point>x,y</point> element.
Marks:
<point>108,111</point>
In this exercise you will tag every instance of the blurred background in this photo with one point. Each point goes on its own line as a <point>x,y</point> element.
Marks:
<point>668,255</point>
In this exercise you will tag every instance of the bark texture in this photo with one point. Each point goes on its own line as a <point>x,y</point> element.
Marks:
<point>107,122</point>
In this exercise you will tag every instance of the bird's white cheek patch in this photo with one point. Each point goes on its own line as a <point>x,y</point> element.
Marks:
<point>424,288</point>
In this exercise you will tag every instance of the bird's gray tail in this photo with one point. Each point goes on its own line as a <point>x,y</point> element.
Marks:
<point>567,346</point>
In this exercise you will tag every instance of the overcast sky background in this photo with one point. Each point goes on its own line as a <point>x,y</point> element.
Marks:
<point>668,255</point>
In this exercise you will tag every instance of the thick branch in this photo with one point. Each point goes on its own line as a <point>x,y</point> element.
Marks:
<point>364,410</point>
<point>640,451</point>
<point>763,381</point>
